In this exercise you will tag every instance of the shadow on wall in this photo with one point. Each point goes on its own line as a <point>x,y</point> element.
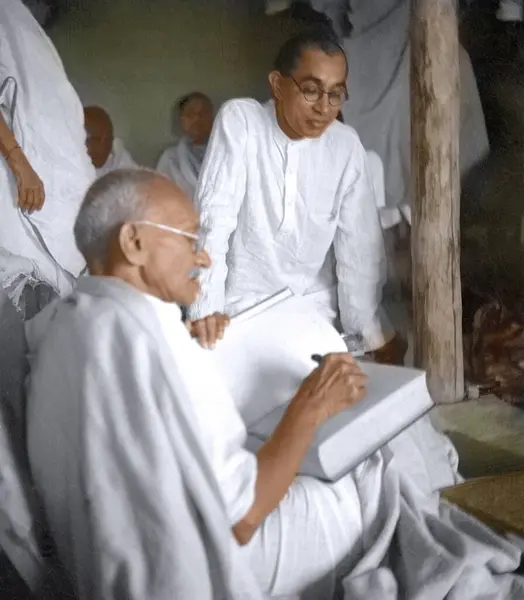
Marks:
<point>136,57</point>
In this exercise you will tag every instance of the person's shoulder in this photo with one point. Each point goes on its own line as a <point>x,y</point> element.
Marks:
<point>241,108</point>
<point>167,156</point>
<point>343,135</point>
<point>171,149</point>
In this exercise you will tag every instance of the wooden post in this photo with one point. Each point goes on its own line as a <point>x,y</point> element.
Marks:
<point>435,105</point>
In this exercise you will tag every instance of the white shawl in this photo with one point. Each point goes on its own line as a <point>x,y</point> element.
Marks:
<point>131,500</point>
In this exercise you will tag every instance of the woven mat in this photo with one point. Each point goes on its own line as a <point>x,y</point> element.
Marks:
<point>497,500</point>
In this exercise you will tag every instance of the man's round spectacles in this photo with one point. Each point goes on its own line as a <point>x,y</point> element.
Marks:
<point>315,94</point>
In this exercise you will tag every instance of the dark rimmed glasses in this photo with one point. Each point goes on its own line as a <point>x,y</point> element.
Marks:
<point>316,94</point>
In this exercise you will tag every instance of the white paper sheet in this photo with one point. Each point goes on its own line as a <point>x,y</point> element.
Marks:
<point>266,358</point>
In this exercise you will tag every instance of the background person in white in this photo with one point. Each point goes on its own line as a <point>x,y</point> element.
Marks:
<point>282,185</point>
<point>183,161</point>
<point>44,167</point>
<point>106,152</point>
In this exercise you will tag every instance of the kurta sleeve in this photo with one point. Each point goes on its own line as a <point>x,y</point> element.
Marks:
<point>360,257</point>
<point>220,192</point>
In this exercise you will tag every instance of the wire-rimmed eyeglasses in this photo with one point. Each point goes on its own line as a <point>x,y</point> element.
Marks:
<point>335,98</point>
<point>192,236</point>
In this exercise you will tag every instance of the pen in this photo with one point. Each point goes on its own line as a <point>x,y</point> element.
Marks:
<point>355,338</point>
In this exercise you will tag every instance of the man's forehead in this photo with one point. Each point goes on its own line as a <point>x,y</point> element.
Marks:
<point>169,205</point>
<point>197,103</point>
<point>316,64</point>
<point>97,120</point>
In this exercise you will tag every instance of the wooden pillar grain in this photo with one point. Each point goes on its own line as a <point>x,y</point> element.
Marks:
<point>437,303</point>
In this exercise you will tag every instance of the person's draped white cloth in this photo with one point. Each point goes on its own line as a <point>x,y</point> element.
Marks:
<point>47,119</point>
<point>112,444</point>
<point>119,460</point>
<point>379,105</point>
<point>18,517</point>
<point>182,164</point>
<point>120,158</point>
<point>279,213</point>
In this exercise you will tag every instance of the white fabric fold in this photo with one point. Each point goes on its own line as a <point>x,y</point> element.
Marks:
<point>119,158</point>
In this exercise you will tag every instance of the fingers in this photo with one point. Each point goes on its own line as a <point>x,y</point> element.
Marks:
<point>222,322</point>
<point>340,357</point>
<point>357,394</point>
<point>211,332</point>
<point>40,198</point>
<point>200,332</point>
<point>210,329</point>
<point>31,199</point>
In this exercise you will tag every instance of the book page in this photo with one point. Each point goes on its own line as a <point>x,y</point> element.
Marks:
<point>266,358</point>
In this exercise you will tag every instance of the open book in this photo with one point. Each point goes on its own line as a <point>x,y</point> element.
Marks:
<point>265,356</point>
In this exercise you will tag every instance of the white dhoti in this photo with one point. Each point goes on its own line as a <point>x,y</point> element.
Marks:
<point>320,532</point>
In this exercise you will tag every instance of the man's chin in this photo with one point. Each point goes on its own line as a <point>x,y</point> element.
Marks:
<point>311,132</point>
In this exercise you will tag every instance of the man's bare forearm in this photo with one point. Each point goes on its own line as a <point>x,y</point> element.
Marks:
<point>7,139</point>
<point>279,460</point>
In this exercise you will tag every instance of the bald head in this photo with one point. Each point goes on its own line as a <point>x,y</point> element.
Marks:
<point>121,197</point>
<point>137,225</point>
<point>99,129</point>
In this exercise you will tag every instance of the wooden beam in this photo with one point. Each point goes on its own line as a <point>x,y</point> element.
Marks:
<point>435,103</point>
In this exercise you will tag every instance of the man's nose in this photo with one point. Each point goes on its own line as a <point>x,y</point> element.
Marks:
<point>322,106</point>
<point>203,259</point>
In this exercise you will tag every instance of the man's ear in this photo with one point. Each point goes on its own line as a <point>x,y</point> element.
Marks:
<point>275,81</point>
<point>131,244</point>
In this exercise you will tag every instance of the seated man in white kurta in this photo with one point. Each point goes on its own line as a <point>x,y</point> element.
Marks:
<point>283,184</point>
<point>107,152</point>
<point>182,162</point>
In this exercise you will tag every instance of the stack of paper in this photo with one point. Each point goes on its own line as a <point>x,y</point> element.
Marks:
<point>396,397</point>
<point>265,359</point>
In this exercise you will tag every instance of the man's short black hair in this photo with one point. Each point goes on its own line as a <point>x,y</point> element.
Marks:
<point>181,104</point>
<point>319,38</point>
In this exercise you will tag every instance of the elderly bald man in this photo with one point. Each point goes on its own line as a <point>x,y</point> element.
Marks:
<point>128,441</point>
<point>107,152</point>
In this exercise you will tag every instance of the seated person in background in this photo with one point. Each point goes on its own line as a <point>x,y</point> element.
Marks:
<point>282,186</point>
<point>107,152</point>
<point>44,167</point>
<point>182,162</point>
<point>137,448</point>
